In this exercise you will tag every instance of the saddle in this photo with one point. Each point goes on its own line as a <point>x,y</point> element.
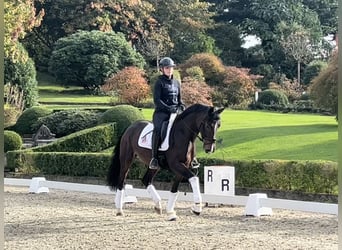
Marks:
<point>145,138</point>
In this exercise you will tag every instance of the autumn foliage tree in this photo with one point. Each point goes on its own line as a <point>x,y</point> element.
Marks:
<point>238,86</point>
<point>210,64</point>
<point>20,17</point>
<point>196,91</point>
<point>129,85</point>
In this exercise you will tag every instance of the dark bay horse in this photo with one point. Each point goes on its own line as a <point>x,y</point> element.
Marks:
<point>194,121</point>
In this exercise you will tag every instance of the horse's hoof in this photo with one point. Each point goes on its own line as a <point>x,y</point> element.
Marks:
<point>158,210</point>
<point>197,208</point>
<point>195,212</point>
<point>119,214</point>
<point>172,216</point>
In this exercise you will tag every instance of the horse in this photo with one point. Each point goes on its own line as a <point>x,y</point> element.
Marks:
<point>197,121</point>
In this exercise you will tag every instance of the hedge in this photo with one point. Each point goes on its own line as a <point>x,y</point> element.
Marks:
<point>88,140</point>
<point>302,176</point>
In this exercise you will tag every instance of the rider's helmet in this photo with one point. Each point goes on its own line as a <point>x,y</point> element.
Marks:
<point>167,62</point>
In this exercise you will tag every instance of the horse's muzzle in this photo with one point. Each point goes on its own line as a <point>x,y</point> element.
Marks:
<point>209,148</point>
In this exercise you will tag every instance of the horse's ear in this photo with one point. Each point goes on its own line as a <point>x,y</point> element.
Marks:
<point>219,110</point>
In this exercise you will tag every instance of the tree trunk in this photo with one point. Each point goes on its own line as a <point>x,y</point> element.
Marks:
<point>298,71</point>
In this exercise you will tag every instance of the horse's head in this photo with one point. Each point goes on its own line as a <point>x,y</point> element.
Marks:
<point>208,129</point>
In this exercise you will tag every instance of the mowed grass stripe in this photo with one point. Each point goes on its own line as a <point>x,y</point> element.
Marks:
<point>269,135</point>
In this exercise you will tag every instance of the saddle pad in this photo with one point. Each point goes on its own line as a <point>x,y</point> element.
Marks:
<point>145,138</point>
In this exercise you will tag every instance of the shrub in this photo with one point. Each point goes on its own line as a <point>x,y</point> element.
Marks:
<point>11,114</point>
<point>324,87</point>
<point>273,96</point>
<point>239,86</point>
<point>122,115</point>
<point>195,73</point>
<point>23,74</point>
<point>28,118</point>
<point>66,122</point>
<point>196,91</point>
<point>129,85</point>
<point>88,140</point>
<point>210,64</point>
<point>88,58</point>
<point>12,141</point>
<point>312,70</point>
<point>292,89</point>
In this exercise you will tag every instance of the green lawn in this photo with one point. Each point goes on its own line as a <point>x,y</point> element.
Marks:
<point>243,134</point>
<point>52,93</point>
<point>267,135</point>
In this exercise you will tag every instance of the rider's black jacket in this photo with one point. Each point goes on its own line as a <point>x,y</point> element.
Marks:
<point>166,95</point>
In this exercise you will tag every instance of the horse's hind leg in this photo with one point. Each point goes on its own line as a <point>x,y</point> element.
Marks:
<point>119,200</point>
<point>147,180</point>
<point>126,159</point>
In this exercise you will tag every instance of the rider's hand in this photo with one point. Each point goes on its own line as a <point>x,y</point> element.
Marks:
<point>173,109</point>
<point>181,107</point>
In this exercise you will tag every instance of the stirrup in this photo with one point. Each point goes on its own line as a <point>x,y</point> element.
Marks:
<point>195,163</point>
<point>153,164</point>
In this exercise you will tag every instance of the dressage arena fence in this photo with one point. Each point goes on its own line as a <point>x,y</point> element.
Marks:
<point>255,204</point>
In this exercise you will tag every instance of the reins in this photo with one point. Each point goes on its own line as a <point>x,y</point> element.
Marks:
<point>192,131</point>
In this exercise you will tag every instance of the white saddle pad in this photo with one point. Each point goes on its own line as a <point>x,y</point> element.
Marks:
<point>145,138</point>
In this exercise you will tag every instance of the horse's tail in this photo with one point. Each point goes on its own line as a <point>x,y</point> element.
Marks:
<point>113,174</point>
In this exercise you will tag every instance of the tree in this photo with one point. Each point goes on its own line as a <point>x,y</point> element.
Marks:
<point>312,70</point>
<point>20,17</point>
<point>155,45</point>
<point>262,17</point>
<point>132,18</point>
<point>129,85</point>
<point>324,87</point>
<point>228,42</point>
<point>186,22</point>
<point>88,58</point>
<point>297,44</point>
<point>23,75</point>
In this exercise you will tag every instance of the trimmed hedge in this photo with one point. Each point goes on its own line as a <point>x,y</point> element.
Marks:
<point>88,140</point>
<point>302,176</point>
<point>12,141</point>
<point>58,155</point>
<point>123,115</point>
<point>28,118</point>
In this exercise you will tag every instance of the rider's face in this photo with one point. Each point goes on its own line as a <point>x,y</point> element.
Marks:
<point>168,71</point>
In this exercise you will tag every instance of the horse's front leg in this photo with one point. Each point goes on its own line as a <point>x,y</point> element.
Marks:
<point>197,207</point>
<point>170,208</point>
<point>182,170</point>
<point>147,181</point>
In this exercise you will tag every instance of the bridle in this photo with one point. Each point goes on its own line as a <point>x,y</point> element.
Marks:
<point>204,140</point>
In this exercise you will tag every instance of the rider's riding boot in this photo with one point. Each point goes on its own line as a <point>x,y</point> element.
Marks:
<point>155,145</point>
<point>195,163</point>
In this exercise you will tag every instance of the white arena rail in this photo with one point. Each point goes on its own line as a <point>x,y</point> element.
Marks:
<point>255,204</point>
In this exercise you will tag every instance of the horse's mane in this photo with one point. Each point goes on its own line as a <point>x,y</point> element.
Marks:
<point>195,108</point>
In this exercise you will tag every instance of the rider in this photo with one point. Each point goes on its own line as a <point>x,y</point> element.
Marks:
<point>167,100</point>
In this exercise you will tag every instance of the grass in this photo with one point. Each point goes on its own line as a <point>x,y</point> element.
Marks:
<point>52,93</point>
<point>243,134</point>
<point>267,135</point>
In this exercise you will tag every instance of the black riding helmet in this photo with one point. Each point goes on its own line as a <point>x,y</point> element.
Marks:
<point>167,62</point>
